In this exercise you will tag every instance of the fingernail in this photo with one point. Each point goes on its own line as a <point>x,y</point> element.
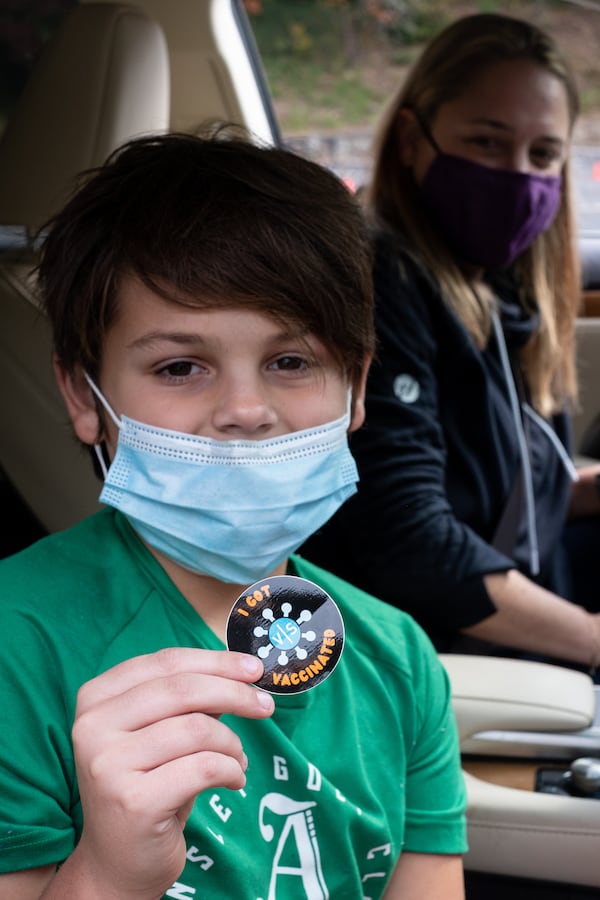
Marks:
<point>251,665</point>
<point>265,701</point>
<point>244,762</point>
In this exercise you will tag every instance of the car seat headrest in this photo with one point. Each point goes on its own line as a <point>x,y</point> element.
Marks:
<point>102,79</point>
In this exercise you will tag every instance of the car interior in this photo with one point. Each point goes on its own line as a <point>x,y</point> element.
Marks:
<point>530,732</point>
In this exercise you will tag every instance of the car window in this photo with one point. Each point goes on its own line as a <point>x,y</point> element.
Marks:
<point>332,66</point>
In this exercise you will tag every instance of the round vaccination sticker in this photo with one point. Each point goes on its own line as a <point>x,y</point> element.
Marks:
<point>293,626</point>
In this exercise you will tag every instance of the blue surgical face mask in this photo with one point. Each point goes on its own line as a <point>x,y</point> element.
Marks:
<point>233,510</point>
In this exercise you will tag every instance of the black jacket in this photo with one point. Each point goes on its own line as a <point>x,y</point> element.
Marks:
<point>437,457</point>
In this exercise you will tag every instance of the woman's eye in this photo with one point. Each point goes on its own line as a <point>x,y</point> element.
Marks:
<point>485,142</point>
<point>544,156</point>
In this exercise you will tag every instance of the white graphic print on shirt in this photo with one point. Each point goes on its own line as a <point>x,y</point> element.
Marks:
<point>289,826</point>
<point>297,821</point>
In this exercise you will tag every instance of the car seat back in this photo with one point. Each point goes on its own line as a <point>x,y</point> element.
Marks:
<point>586,421</point>
<point>63,125</point>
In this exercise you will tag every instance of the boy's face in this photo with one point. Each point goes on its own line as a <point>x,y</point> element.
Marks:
<point>220,373</point>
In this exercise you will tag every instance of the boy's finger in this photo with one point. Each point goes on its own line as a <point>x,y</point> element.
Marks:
<point>162,742</point>
<point>192,734</point>
<point>176,695</point>
<point>170,661</point>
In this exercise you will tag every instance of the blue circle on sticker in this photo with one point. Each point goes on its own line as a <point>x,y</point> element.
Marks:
<point>293,626</point>
<point>285,634</point>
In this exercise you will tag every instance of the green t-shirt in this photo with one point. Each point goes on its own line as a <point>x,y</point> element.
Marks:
<point>340,781</point>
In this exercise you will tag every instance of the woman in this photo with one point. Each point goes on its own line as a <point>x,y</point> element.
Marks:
<point>466,481</point>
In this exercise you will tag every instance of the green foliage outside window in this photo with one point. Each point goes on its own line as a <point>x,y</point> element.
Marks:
<point>333,63</point>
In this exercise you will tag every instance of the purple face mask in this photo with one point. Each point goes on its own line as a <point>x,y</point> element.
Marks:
<point>488,216</point>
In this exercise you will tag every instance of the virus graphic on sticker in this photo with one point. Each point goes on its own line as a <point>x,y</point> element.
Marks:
<point>284,634</point>
<point>269,621</point>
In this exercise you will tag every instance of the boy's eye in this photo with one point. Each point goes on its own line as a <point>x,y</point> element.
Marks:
<point>180,368</point>
<point>290,363</point>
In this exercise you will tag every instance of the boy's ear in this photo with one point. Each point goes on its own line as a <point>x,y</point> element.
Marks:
<point>358,397</point>
<point>409,135</point>
<point>80,402</point>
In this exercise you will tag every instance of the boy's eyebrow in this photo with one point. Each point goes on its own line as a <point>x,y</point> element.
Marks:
<point>193,337</point>
<point>174,337</point>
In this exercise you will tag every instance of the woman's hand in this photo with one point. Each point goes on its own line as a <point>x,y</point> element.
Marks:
<point>147,740</point>
<point>529,617</point>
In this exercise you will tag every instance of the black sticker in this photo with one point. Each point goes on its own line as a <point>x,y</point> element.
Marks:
<point>293,626</point>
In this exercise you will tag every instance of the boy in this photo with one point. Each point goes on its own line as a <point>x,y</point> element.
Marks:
<point>212,315</point>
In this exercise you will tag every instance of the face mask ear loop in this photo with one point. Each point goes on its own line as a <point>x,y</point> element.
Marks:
<point>110,411</point>
<point>100,458</point>
<point>426,131</point>
<point>103,400</point>
<point>349,405</point>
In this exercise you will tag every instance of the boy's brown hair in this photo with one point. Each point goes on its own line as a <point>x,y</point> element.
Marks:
<point>205,222</point>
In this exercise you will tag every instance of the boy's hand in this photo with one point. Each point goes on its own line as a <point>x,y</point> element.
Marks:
<point>147,740</point>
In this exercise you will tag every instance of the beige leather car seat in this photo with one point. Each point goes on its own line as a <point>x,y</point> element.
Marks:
<point>64,123</point>
<point>515,832</point>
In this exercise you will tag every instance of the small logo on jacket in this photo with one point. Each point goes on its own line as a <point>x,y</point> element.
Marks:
<point>406,388</point>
